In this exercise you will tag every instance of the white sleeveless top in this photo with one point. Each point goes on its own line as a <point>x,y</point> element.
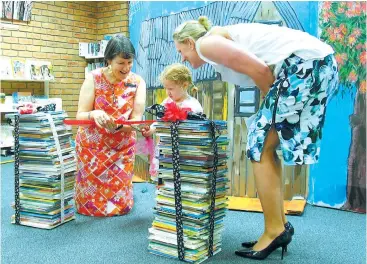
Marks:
<point>270,43</point>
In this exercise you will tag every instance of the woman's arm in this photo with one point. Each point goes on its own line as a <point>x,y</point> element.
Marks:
<point>226,52</point>
<point>139,105</point>
<point>86,99</point>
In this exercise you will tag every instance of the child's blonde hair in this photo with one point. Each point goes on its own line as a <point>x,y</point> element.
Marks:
<point>179,74</point>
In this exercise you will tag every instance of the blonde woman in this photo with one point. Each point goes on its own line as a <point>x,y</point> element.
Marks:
<point>297,75</point>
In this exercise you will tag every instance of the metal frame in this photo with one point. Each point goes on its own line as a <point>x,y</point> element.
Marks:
<point>238,104</point>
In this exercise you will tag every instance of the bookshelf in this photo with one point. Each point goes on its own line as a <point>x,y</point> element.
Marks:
<point>93,57</point>
<point>93,52</point>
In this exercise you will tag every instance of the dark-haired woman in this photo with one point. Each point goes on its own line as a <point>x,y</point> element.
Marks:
<point>106,152</point>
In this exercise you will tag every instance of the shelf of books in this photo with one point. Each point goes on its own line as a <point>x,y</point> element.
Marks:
<point>191,202</point>
<point>93,51</point>
<point>45,167</point>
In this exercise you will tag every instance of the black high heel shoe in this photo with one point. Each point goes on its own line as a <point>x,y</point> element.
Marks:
<point>280,241</point>
<point>288,227</point>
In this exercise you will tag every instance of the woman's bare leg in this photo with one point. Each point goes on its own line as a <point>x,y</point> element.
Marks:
<point>279,169</point>
<point>269,187</point>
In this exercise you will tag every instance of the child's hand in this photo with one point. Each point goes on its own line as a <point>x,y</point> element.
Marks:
<point>147,131</point>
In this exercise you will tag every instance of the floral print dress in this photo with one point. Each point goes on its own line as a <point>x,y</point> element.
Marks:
<point>295,106</point>
<point>106,160</point>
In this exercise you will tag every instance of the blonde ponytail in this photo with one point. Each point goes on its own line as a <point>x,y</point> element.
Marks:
<point>193,89</point>
<point>204,20</point>
<point>192,29</point>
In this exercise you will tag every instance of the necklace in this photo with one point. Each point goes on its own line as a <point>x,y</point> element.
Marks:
<point>113,96</point>
<point>111,83</point>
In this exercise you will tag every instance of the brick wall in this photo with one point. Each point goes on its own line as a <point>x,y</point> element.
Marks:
<point>53,34</point>
<point>112,18</point>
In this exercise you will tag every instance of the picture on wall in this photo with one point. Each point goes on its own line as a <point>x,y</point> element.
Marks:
<point>5,68</point>
<point>39,70</point>
<point>7,9</point>
<point>27,10</point>
<point>17,10</point>
<point>343,26</point>
<point>18,68</point>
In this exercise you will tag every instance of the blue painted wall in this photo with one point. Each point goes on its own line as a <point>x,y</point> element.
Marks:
<point>307,12</point>
<point>328,178</point>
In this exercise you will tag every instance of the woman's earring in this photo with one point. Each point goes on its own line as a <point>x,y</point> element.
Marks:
<point>110,69</point>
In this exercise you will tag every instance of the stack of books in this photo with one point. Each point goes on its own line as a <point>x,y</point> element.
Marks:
<point>45,165</point>
<point>196,171</point>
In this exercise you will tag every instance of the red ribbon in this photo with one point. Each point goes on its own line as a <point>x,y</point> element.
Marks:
<point>175,113</point>
<point>172,113</point>
<point>76,122</point>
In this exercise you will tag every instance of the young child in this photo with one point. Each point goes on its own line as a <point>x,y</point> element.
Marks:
<point>176,80</point>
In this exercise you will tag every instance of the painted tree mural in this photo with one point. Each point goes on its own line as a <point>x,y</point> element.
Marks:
<point>343,26</point>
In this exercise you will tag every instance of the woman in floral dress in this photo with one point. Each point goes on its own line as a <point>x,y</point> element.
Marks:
<point>106,151</point>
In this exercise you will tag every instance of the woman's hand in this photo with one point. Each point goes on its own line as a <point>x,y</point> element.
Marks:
<point>103,120</point>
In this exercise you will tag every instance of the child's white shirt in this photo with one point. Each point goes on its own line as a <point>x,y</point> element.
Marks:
<point>189,102</point>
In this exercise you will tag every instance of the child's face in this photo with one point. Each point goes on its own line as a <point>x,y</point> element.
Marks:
<point>174,90</point>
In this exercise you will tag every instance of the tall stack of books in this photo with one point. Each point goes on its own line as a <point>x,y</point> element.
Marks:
<point>196,158</point>
<point>47,168</point>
